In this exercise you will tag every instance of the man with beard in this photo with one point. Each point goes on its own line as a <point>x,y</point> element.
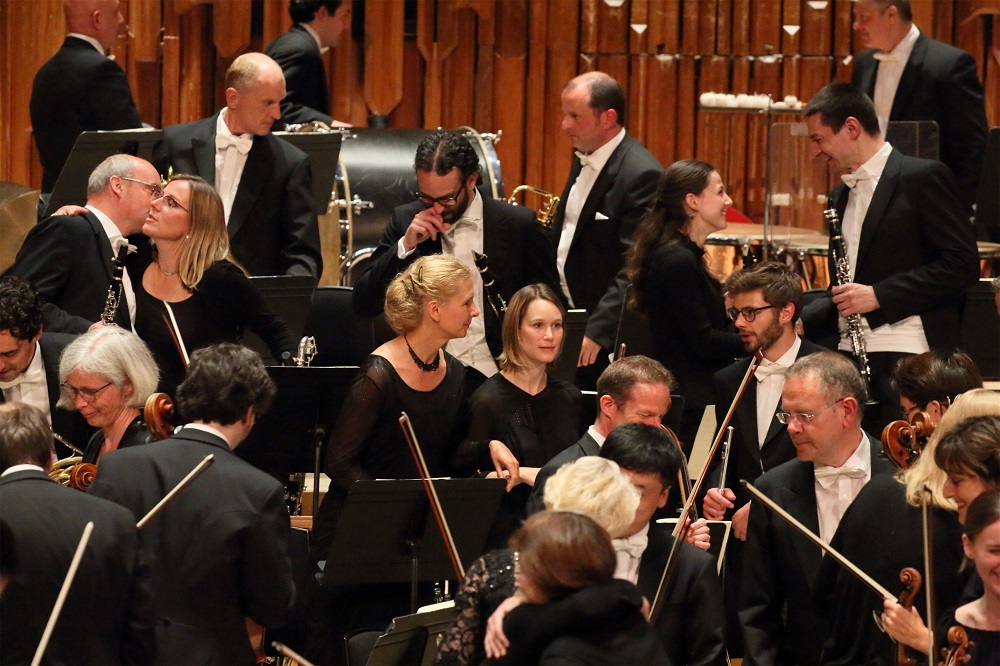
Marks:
<point>452,217</point>
<point>766,303</point>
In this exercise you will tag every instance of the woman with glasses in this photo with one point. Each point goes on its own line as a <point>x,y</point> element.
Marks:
<point>106,374</point>
<point>673,286</point>
<point>190,293</point>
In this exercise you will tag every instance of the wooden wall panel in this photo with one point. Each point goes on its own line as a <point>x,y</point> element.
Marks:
<point>735,168</point>
<point>741,27</point>
<point>560,66</point>
<point>613,28</point>
<point>231,27</point>
<point>661,128</point>
<point>664,17</point>
<point>690,21</point>
<point>713,130</point>
<point>791,27</point>
<point>509,83</point>
<point>816,35</point>
<point>707,26</point>
<point>384,55</point>
<point>724,27</point>
<point>638,34</point>
<point>459,72</point>
<point>843,36</point>
<point>686,107</point>
<point>765,26</point>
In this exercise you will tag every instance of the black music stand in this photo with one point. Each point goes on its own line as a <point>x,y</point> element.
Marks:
<point>412,639</point>
<point>400,540</point>
<point>289,297</point>
<point>323,149</point>
<point>289,438</point>
<point>90,149</point>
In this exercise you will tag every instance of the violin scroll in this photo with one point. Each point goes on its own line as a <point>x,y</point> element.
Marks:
<point>158,409</point>
<point>957,652</point>
<point>903,441</point>
<point>912,580</point>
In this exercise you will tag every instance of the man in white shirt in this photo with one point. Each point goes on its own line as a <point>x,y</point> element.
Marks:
<point>911,250</point>
<point>451,216</point>
<point>822,402</point>
<point>70,259</point>
<point>610,188</point>
<point>912,77</point>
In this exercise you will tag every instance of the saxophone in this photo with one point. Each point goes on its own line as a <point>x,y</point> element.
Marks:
<point>843,275</point>
<point>115,288</point>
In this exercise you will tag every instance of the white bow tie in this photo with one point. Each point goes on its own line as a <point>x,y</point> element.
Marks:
<point>827,475</point>
<point>584,159</point>
<point>242,143</point>
<point>886,57</point>
<point>470,221</point>
<point>634,545</point>
<point>121,241</point>
<point>30,377</point>
<point>764,371</point>
<point>852,179</point>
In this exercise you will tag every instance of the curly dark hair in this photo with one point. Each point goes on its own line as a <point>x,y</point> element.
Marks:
<point>20,308</point>
<point>222,383</point>
<point>441,152</point>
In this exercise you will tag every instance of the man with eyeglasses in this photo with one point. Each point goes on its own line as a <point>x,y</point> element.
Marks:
<point>70,258</point>
<point>450,216</point>
<point>29,361</point>
<point>822,402</point>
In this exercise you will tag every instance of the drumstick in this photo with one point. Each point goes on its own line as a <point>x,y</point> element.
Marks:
<point>185,482</point>
<point>54,615</point>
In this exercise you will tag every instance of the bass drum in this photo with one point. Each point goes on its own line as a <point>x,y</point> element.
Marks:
<point>375,175</point>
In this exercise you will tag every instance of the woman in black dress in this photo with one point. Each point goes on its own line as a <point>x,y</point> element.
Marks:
<point>106,374</point>
<point>673,287</point>
<point>191,294</point>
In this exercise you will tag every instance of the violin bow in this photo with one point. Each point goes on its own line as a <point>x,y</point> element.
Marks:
<point>925,497</point>
<point>63,591</point>
<point>184,483</point>
<point>425,477</point>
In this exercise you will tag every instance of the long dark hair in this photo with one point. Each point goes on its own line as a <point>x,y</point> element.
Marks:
<point>663,224</point>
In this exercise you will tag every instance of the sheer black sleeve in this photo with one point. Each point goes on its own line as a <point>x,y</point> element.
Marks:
<point>485,418</point>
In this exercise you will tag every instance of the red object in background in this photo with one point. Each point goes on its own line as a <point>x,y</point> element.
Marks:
<point>737,216</point>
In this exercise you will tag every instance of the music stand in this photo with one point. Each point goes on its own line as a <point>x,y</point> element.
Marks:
<point>401,540</point>
<point>90,149</point>
<point>323,149</point>
<point>412,639</point>
<point>289,297</point>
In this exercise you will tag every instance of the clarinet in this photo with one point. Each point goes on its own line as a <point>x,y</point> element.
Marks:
<point>115,288</point>
<point>843,270</point>
<point>497,303</point>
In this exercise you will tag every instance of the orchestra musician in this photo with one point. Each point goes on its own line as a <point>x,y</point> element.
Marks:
<point>108,615</point>
<point>910,248</point>
<point>29,360</point>
<point>822,403</point>
<point>189,291</point>
<point>219,551</point>
<point>70,258</point>
<point>610,188</point>
<point>265,183</point>
<point>106,375</point>
<point>673,287</point>
<point>452,217</point>
<point>523,410</point>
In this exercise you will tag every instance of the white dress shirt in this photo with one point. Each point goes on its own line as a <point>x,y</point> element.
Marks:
<point>888,74</point>
<point>13,469</point>
<point>209,429</point>
<point>629,554</point>
<point>769,385</point>
<point>229,162</point>
<point>31,386</point>
<point>906,335</point>
<point>836,487</point>
<point>590,167</point>
<point>117,240</point>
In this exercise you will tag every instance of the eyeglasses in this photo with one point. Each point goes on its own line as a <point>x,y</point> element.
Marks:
<point>429,201</point>
<point>802,418</point>
<point>171,203</point>
<point>155,190</point>
<point>88,394</point>
<point>749,314</point>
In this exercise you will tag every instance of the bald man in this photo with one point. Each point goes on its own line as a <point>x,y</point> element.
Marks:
<point>80,88</point>
<point>265,183</point>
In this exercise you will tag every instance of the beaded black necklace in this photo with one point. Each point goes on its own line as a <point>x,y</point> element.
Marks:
<point>426,367</point>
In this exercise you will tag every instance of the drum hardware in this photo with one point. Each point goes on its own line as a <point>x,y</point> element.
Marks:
<point>361,255</point>
<point>356,205</point>
<point>492,137</point>
<point>294,488</point>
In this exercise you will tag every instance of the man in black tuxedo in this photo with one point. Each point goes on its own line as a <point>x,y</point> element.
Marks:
<point>265,183</point>
<point>318,26</point>
<point>107,617</point>
<point>450,216</point>
<point>70,258</point>
<point>29,361</point>
<point>611,186</point>
<point>822,401</point>
<point>80,88</point>
<point>911,249</point>
<point>633,389</point>
<point>913,77</point>
<point>219,550</point>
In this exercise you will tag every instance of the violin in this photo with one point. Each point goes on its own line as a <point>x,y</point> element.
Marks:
<point>904,441</point>
<point>957,653</point>
<point>912,581</point>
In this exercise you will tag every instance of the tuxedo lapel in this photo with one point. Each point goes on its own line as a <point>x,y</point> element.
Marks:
<point>495,238</point>
<point>260,163</point>
<point>604,181</point>
<point>203,149</point>
<point>103,245</point>
<point>867,81</point>
<point>746,418</point>
<point>799,500</point>
<point>880,201</point>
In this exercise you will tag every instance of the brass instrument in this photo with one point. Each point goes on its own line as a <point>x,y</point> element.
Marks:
<point>843,275</point>
<point>497,304</point>
<point>72,471</point>
<point>115,288</point>
<point>546,211</point>
<point>311,127</point>
<point>306,352</point>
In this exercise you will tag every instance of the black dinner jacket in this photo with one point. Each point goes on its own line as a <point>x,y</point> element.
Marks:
<point>307,97</point>
<point>781,623</point>
<point>76,90</point>
<point>69,261</point>
<point>939,83</point>
<point>585,446</point>
<point>917,250</point>
<point>512,240</point>
<point>692,625</point>
<point>272,226</point>
<point>623,193</point>
<point>218,551</point>
<point>108,614</point>
<point>748,460</point>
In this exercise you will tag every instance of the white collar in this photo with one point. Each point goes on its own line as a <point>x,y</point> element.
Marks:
<point>876,163</point>
<point>902,51</point>
<point>90,40</point>
<point>788,358</point>
<point>315,36</point>
<point>210,430</point>
<point>598,437</point>
<point>222,128</point>
<point>22,468</point>
<point>861,458</point>
<point>111,230</point>
<point>475,209</point>
<point>600,157</point>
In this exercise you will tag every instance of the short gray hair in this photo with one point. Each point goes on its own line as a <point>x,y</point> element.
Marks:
<point>119,165</point>
<point>116,354</point>
<point>597,488</point>
<point>838,376</point>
